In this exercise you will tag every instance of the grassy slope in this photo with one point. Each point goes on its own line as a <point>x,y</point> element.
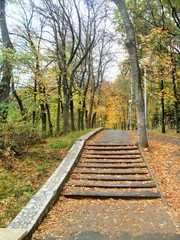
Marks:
<point>22,176</point>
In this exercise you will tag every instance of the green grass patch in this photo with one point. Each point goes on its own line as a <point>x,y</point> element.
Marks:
<point>60,144</point>
<point>28,173</point>
<point>36,146</point>
<point>27,188</point>
<point>66,141</point>
<point>40,168</point>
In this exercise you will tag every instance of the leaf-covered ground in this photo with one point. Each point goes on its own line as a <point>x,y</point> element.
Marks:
<point>22,176</point>
<point>163,155</point>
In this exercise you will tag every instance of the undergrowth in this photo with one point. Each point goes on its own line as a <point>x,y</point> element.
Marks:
<point>168,133</point>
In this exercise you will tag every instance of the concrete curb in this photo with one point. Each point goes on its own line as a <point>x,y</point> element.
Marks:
<point>11,234</point>
<point>32,214</point>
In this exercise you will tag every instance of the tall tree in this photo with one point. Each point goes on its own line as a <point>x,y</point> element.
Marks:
<point>160,18</point>
<point>67,36</point>
<point>34,60</point>
<point>8,50</point>
<point>132,49</point>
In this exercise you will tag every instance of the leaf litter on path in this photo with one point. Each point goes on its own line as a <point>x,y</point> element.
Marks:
<point>110,217</point>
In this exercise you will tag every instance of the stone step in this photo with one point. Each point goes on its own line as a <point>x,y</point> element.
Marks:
<point>105,178</point>
<point>111,166</point>
<point>116,195</point>
<point>112,157</point>
<point>113,172</point>
<point>110,148</point>
<point>101,185</point>
<point>113,161</point>
<point>113,153</point>
<point>110,145</point>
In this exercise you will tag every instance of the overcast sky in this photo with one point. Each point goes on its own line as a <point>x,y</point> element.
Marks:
<point>118,51</point>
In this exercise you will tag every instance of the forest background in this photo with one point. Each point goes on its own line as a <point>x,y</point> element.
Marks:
<point>55,60</point>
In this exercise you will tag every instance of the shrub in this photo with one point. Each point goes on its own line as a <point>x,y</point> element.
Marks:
<point>16,137</point>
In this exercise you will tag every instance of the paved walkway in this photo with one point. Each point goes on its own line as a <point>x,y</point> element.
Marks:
<point>113,136</point>
<point>108,219</point>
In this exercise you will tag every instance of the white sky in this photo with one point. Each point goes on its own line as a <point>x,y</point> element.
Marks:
<point>118,50</point>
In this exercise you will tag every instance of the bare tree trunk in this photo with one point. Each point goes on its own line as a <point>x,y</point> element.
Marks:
<point>94,121</point>
<point>79,118</point>
<point>130,107</point>
<point>72,113</point>
<point>91,111</point>
<point>7,66</point>
<point>83,113</point>
<point>65,106</point>
<point>34,98</point>
<point>19,101</point>
<point>176,109</point>
<point>58,108</point>
<point>43,118</point>
<point>66,114</point>
<point>162,108</point>
<point>49,119</point>
<point>86,117</point>
<point>175,100</point>
<point>131,45</point>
